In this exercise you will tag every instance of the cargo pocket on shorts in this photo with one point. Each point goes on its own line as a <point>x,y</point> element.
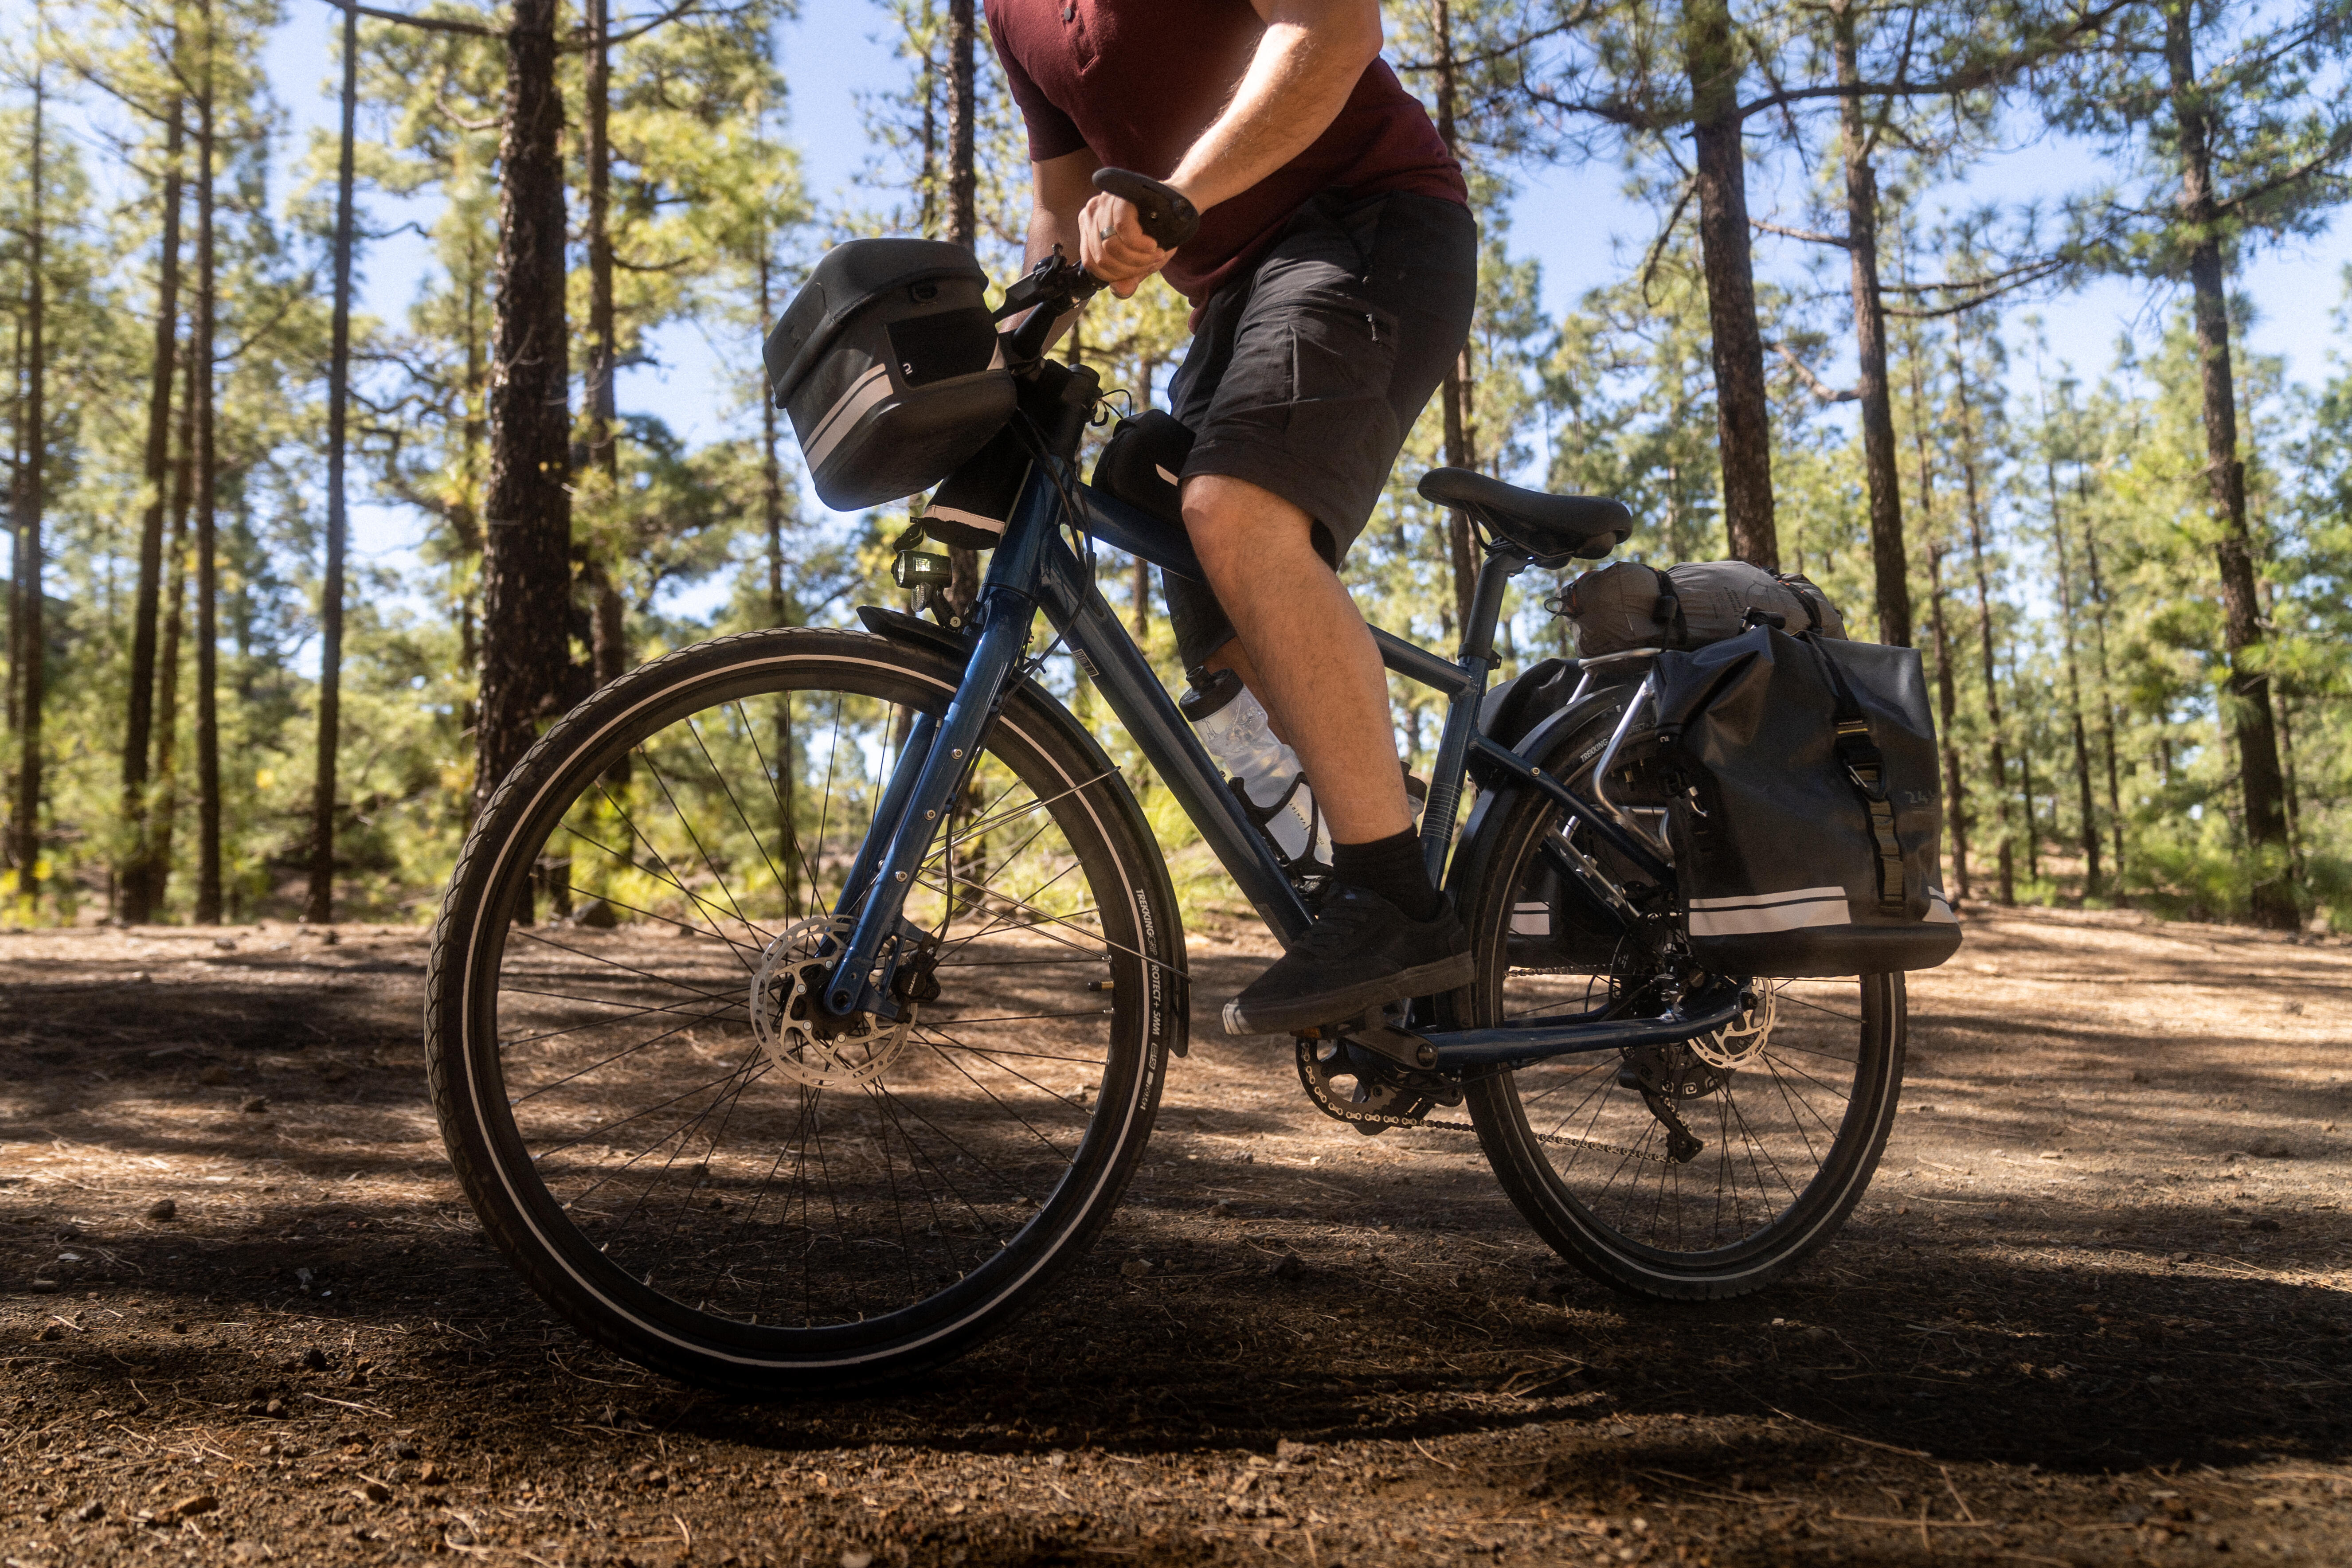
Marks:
<point>1342,354</point>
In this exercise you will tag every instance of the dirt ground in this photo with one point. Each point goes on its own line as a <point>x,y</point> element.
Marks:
<point>2097,1309</point>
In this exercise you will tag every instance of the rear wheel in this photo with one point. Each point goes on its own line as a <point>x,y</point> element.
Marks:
<point>1790,1120</point>
<point>677,1148</point>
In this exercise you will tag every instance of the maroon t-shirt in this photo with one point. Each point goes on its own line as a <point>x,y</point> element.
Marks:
<point>1138,81</point>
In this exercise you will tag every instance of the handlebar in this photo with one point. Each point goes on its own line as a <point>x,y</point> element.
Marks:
<point>1168,217</point>
<point>1056,284</point>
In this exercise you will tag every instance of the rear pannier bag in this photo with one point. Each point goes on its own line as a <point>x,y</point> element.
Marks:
<point>1803,806</point>
<point>888,362</point>
<point>1626,605</point>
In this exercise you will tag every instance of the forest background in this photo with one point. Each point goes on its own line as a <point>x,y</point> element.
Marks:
<point>2011,326</point>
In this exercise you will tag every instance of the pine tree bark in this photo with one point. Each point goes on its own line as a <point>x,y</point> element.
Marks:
<point>137,877</point>
<point>527,553</point>
<point>1743,420</point>
<point>321,907</point>
<point>2074,684</point>
<point>1890,566</point>
<point>964,219</point>
<point>2106,682</point>
<point>1947,701</point>
<point>165,820</point>
<point>771,471</point>
<point>208,910</point>
<point>2273,902</point>
<point>1998,756</point>
<point>610,648</point>
<point>1454,392</point>
<point>32,648</point>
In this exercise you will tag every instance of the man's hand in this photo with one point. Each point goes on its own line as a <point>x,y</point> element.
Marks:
<point>1114,248</point>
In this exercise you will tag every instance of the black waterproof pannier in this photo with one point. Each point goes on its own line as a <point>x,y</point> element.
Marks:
<point>888,364</point>
<point>1803,805</point>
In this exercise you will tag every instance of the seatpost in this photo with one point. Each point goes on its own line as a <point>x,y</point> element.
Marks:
<point>1503,562</point>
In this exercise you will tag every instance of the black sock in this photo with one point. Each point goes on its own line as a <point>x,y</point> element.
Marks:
<point>1393,868</point>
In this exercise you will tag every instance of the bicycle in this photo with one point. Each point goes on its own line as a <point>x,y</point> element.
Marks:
<point>860,1016</point>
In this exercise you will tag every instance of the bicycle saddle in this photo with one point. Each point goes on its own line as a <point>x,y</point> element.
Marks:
<point>1554,529</point>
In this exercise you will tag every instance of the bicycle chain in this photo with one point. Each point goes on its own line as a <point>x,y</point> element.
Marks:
<point>1361,1118</point>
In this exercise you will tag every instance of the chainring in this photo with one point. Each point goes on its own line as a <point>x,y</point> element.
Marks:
<point>799,1037</point>
<point>1377,1096</point>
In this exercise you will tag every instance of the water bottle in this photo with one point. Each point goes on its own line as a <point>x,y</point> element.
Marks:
<point>1265,773</point>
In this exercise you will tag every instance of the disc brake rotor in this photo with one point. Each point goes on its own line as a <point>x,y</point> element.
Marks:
<point>1743,1039</point>
<point>798,1036</point>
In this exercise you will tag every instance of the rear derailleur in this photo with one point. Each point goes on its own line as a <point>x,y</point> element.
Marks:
<point>1349,1081</point>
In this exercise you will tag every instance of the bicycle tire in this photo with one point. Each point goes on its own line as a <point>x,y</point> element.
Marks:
<point>923,1168</point>
<point>1588,1167</point>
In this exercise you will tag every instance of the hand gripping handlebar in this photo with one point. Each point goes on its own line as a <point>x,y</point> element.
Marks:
<point>1056,284</point>
<point>1166,215</point>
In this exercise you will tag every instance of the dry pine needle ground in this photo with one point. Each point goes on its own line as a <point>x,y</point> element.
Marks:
<point>2094,1310</point>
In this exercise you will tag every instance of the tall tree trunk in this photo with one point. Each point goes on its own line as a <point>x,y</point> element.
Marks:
<point>321,909</point>
<point>465,518</point>
<point>2025,773</point>
<point>2107,685</point>
<point>527,554</point>
<point>32,639</point>
<point>1948,700</point>
<point>2274,900</point>
<point>771,471</point>
<point>1454,392</point>
<point>208,783</point>
<point>1998,758</point>
<point>610,648</point>
<point>2073,685</point>
<point>16,554</point>
<point>1891,567</point>
<point>137,879</point>
<point>1743,421</point>
<point>963,220</point>
<point>166,814</point>
<point>1947,705</point>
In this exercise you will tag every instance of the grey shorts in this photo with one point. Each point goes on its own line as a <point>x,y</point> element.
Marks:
<point>1307,369</point>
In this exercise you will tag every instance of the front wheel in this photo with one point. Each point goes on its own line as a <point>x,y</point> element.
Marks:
<point>1789,1122</point>
<point>677,1147</point>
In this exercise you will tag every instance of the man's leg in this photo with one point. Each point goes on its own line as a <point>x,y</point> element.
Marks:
<point>1309,656</point>
<point>1382,933</point>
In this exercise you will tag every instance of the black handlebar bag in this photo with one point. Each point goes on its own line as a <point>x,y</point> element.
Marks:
<point>1806,813</point>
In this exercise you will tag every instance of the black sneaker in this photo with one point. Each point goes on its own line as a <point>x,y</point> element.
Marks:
<point>1360,954</point>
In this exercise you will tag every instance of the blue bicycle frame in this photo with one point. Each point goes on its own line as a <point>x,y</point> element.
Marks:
<point>1034,568</point>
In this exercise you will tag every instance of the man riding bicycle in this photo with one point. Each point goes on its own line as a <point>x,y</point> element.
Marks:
<point>1332,281</point>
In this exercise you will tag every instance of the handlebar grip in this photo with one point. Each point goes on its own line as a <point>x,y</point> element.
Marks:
<point>1167,215</point>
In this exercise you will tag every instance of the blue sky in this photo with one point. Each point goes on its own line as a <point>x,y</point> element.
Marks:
<point>1574,219</point>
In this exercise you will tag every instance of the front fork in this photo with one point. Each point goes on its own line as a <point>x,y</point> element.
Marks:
<point>938,755</point>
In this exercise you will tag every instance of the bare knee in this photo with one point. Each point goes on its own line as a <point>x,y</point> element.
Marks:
<point>1236,526</point>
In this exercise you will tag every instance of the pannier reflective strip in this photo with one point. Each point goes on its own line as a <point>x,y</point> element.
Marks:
<point>1939,911</point>
<point>1531,920</point>
<point>994,525</point>
<point>1792,911</point>
<point>864,393</point>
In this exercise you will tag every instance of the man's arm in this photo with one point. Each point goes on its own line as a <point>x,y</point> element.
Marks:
<point>1311,57</point>
<point>1059,189</point>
